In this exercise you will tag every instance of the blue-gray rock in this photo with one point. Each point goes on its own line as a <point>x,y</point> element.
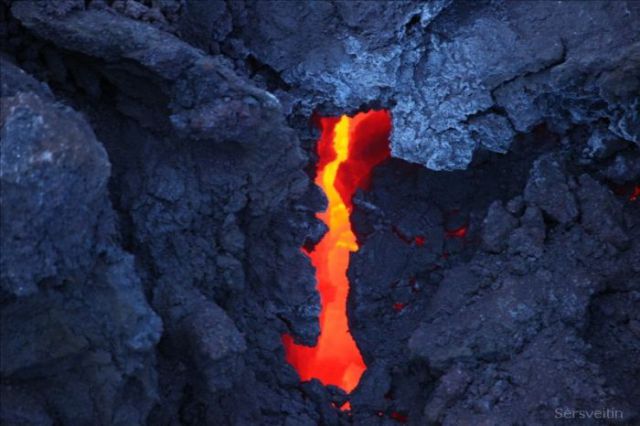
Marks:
<point>548,189</point>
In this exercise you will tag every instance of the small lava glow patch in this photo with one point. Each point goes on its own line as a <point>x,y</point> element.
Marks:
<point>348,150</point>
<point>458,233</point>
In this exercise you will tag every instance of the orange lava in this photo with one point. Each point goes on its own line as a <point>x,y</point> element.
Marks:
<point>348,150</point>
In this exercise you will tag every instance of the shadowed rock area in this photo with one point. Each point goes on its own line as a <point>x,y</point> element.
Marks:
<point>157,159</point>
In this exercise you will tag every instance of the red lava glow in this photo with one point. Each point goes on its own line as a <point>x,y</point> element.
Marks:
<point>399,306</point>
<point>349,148</point>
<point>399,417</point>
<point>629,191</point>
<point>458,233</point>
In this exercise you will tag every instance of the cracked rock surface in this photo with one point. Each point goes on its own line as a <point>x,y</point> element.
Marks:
<point>157,159</point>
<point>505,323</point>
<point>457,76</point>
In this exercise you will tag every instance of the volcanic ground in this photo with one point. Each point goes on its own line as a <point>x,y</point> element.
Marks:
<point>319,212</point>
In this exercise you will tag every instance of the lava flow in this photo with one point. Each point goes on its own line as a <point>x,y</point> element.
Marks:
<point>348,150</point>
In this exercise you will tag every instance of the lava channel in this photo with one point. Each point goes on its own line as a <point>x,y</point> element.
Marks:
<point>348,150</point>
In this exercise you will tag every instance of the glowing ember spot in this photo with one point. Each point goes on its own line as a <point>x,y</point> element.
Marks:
<point>399,417</point>
<point>420,240</point>
<point>629,191</point>
<point>398,306</point>
<point>348,150</point>
<point>458,233</point>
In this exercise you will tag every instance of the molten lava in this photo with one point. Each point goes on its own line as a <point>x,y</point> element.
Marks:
<point>348,150</point>
<point>457,233</point>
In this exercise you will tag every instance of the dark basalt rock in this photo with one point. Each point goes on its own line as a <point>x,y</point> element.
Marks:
<point>602,213</point>
<point>54,178</point>
<point>78,335</point>
<point>548,189</point>
<point>156,171</point>
<point>494,328</point>
<point>497,226</point>
<point>456,75</point>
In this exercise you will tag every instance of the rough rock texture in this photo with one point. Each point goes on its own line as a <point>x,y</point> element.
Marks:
<point>497,227</point>
<point>157,158</point>
<point>78,334</point>
<point>498,325</point>
<point>49,152</point>
<point>548,189</point>
<point>211,199</point>
<point>456,75</point>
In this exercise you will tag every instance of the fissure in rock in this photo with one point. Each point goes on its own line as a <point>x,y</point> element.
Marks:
<point>349,149</point>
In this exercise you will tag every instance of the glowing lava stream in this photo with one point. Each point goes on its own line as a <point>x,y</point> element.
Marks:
<point>348,150</point>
